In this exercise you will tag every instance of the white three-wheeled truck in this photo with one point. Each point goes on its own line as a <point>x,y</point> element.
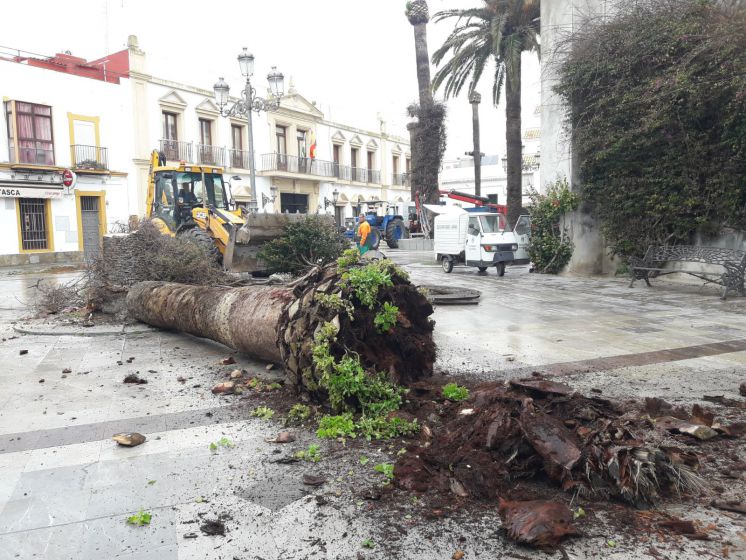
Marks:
<point>477,238</point>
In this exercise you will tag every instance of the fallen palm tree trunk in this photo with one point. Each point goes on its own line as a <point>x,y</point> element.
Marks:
<point>371,312</point>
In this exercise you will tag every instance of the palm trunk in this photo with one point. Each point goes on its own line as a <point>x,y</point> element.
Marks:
<point>423,64</point>
<point>477,152</point>
<point>278,324</point>
<point>513,140</point>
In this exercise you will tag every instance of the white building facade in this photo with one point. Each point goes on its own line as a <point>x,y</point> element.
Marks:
<point>55,121</point>
<point>102,120</point>
<point>351,166</point>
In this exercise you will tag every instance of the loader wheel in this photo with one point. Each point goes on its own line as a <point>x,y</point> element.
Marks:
<point>501,269</point>
<point>447,264</point>
<point>375,238</point>
<point>202,239</point>
<point>394,232</point>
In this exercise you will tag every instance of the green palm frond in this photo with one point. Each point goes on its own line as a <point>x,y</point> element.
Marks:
<point>499,30</point>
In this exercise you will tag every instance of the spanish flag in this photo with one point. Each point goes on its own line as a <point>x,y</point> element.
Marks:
<point>312,149</point>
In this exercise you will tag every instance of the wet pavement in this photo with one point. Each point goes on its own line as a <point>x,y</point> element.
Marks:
<point>67,489</point>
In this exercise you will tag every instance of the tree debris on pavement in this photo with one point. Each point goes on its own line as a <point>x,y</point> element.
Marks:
<point>537,523</point>
<point>129,439</point>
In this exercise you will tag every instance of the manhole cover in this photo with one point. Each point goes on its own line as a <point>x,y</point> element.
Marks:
<point>449,295</point>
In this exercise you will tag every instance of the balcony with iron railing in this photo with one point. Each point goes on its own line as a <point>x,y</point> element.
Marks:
<point>174,150</point>
<point>89,158</point>
<point>301,165</point>
<point>400,179</point>
<point>238,159</point>
<point>364,175</point>
<point>210,155</point>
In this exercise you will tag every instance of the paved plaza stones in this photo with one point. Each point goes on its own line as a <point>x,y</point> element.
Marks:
<point>66,488</point>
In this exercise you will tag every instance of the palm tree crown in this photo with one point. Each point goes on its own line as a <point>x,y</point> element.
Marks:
<point>500,29</point>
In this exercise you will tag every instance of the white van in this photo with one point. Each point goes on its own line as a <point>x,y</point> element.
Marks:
<point>478,239</point>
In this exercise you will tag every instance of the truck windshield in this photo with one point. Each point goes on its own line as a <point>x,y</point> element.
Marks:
<point>191,185</point>
<point>492,224</point>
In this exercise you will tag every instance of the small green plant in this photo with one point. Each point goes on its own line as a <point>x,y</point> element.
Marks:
<point>364,460</point>
<point>222,442</point>
<point>386,469</point>
<point>578,513</point>
<point>611,544</point>
<point>381,427</point>
<point>335,303</point>
<point>263,412</point>
<point>368,543</point>
<point>385,319</point>
<point>336,426</point>
<point>312,454</point>
<point>140,518</point>
<point>365,281</point>
<point>303,244</point>
<point>275,386</point>
<point>349,258</point>
<point>298,413</point>
<point>151,482</point>
<point>454,392</point>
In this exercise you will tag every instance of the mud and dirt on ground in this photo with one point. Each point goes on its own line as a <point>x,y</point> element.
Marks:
<point>592,465</point>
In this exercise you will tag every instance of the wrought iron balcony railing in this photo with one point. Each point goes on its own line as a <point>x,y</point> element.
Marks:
<point>238,159</point>
<point>175,150</point>
<point>363,175</point>
<point>210,155</point>
<point>400,179</point>
<point>90,158</point>
<point>302,165</point>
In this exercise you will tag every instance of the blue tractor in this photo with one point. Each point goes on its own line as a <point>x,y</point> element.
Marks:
<point>390,226</point>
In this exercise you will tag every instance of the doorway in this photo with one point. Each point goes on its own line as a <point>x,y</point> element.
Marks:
<point>90,223</point>
<point>294,203</point>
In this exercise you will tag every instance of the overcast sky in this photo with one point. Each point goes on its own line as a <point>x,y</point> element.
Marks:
<point>354,58</point>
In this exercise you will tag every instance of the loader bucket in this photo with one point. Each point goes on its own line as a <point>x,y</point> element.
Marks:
<point>244,243</point>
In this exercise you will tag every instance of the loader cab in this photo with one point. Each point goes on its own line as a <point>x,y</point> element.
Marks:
<point>177,193</point>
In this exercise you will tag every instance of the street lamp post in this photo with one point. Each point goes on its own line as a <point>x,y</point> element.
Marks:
<point>249,103</point>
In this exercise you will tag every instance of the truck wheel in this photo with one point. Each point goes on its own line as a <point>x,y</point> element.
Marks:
<point>202,239</point>
<point>394,232</point>
<point>375,238</point>
<point>447,264</point>
<point>482,268</point>
<point>501,269</point>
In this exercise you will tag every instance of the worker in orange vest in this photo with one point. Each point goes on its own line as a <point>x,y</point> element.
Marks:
<point>363,234</point>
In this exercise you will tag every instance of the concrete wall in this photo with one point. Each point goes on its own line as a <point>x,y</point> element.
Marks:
<point>559,19</point>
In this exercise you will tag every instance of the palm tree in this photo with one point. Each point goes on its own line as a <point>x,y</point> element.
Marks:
<point>418,15</point>
<point>498,31</point>
<point>429,131</point>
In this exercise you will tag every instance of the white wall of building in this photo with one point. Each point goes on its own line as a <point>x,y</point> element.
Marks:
<point>68,94</point>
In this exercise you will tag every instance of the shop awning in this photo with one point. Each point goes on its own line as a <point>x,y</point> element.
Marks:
<point>30,189</point>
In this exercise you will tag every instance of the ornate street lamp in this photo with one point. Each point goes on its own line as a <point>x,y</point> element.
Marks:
<point>333,201</point>
<point>249,103</point>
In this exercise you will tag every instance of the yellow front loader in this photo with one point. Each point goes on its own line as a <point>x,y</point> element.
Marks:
<point>191,201</point>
